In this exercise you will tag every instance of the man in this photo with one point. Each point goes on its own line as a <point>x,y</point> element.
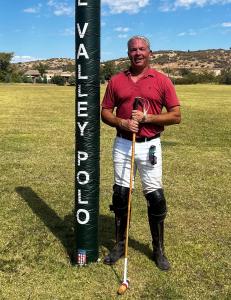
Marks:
<point>155,91</point>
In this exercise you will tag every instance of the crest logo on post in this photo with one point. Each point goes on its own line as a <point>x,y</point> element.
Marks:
<point>82,257</point>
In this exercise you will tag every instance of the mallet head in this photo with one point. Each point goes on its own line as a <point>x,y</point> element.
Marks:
<point>123,287</point>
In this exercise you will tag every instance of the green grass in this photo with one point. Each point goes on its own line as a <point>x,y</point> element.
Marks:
<point>37,199</point>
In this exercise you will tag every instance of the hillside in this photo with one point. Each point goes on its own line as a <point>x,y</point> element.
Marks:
<point>52,64</point>
<point>209,60</point>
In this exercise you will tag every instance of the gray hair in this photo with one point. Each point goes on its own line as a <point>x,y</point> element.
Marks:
<point>139,37</point>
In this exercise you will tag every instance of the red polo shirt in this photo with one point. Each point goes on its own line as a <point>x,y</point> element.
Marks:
<point>154,86</point>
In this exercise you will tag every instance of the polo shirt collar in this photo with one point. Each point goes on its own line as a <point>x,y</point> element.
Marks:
<point>149,72</point>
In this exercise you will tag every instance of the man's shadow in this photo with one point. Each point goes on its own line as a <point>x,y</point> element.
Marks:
<point>63,229</point>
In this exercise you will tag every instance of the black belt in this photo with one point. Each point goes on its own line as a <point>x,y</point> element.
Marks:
<point>139,139</point>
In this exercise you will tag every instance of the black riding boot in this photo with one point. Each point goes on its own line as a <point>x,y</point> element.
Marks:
<point>157,231</point>
<point>120,207</point>
<point>157,211</point>
<point>118,250</point>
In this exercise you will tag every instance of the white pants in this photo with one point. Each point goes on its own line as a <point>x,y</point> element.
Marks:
<point>151,175</point>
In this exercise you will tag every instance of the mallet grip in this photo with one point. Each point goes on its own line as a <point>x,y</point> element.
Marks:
<point>136,103</point>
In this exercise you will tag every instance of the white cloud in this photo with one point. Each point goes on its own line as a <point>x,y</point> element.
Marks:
<point>168,5</point>
<point>68,32</point>
<point>23,58</point>
<point>122,29</point>
<point>190,32</point>
<point>127,6</point>
<point>122,36</point>
<point>188,3</point>
<point>181,34</point>
<point>226,24</point>
<point>61,8</point>
<point>33,10</point>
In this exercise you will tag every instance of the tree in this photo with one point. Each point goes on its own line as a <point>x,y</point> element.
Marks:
<point>39,80</point>
<point>41,68</point>
<point>45,79</point>
<point>107,70</point>
<point>72,80</point>
<point>225,77</point>
<point>59,80</point>
<point>26,79</point>
<point>69,67</point>
<point>5,66</point>
<point>184,72</point>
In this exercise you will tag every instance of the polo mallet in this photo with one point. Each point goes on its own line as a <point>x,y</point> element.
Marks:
<point>124,285</point>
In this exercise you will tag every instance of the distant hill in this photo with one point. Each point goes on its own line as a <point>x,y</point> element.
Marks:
<point>197,61</point>
<point>66,64</point>
<point>209,60</point>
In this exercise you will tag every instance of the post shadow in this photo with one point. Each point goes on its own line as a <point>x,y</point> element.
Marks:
<point>63,230</point>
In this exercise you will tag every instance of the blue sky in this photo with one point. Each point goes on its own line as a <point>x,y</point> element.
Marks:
<point>41,29</point>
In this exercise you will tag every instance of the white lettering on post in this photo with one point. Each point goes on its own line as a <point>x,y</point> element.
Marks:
<point>82,156</point>
<point>82,3</point>
<point>82,51</point>
<point>85,175</point>
<point>82,33</point>
<point>82,127</point>
<point>80,198</point>
<point>80,76</point>
<point>80,93</point>
<point>82,108</point>
<point>87,216</point>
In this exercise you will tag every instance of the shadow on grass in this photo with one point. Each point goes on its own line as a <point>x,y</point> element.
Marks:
<point>63,230</point>
<point>169,143</point>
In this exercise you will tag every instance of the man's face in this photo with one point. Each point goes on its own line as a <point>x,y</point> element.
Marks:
<point>139,53</point>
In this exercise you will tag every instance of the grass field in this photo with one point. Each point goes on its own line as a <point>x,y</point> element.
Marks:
<point>37,199</point>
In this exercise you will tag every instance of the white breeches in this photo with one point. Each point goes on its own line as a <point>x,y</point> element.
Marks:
<point>151,175</point>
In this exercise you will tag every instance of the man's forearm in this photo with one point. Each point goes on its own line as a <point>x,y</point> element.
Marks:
<point>173,116</point>
<point>110,119</point>
<point>168,118</point>
<point>125,124</point>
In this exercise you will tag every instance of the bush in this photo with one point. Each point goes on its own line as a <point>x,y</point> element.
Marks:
<point>45,79</point>
<point>225,77</point>
<point>72,80</point>
<point>26,79</point>
<point>13,77</point>
<point>184,72</point>
<point>39,80</point>
<point>163,59</point>
<point>193,78</point>
<point>59,80</point>
<point>7,78</point>
<point>107,70</point>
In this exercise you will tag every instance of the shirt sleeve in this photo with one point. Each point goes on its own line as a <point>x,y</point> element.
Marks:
<point>109,97</point>
<point>170,96</point>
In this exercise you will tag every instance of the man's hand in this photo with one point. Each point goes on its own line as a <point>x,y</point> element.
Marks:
<point>126,124</point>
<point>172,116</point>
<point>139,116</point>
<point>129,125</point>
